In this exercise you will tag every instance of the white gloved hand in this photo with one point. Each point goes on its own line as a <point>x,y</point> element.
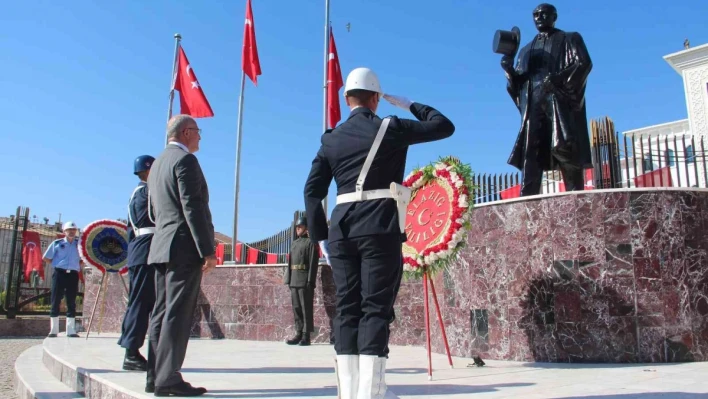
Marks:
<point>398,101</point>
<point>325,253</point>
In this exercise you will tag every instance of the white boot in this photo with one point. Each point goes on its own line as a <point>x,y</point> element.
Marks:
<point>372,378</point>
<point>71,327</point>
<point>54,327</point>
<point>347,369</point>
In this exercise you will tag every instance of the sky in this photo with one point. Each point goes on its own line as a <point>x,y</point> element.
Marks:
<point>86,87</point>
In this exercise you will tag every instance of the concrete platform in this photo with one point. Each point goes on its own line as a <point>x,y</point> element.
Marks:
<point>256,369</point>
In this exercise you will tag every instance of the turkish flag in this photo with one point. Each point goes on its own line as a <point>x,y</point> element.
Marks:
<point>250,63</point>
<point>32,254</point>
<point>191,97</point>
<point>237,252</point>
<point>252,258</point>
<point>271,259</point>
<point>219,254</point>
<point>334,83</point>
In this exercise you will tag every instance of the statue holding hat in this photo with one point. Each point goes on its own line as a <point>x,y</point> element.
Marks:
<point>548,87</point>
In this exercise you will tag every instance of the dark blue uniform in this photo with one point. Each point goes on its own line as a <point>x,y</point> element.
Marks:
<point>142,276</point>
<point>365,239</point>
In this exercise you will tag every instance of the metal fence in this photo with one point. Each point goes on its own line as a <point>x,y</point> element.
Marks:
<point>26,294</point>
<point>619,161</point>
<point>273,249</point>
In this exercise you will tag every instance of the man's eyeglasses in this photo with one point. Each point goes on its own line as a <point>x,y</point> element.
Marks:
<point>194,128</point>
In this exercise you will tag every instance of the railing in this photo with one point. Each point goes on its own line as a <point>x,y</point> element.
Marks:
<point>270,250</point>
<point>677,160</point>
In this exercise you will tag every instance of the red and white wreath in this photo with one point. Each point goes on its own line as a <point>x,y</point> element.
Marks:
<point>438,216</point>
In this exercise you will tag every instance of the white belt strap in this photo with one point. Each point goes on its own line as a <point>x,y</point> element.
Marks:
<point>130,214</point>
<point>143,231</point>
<point>366,195</point>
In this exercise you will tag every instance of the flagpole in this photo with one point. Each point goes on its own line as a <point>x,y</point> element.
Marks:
<point>178,37</point>
<point>234,240</point>
<point>326,62</point>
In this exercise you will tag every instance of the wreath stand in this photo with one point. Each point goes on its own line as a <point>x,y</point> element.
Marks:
<point>427,280</point>
<point>102,288</point>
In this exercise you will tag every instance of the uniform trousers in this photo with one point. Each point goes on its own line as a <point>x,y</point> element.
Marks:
<point>539,136</point>
<point>176,291</point>
<point>365,270</point>
<point>141,300</point>
<point>302,300</point>
<point>64,285</point>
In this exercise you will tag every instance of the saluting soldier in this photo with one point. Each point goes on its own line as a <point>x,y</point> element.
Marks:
<point>301,276</point>
<point>63,255</point>
<point>366,155</point>
<point>142,275</point>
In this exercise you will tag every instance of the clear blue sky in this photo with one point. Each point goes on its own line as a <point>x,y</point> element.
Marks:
<point>85,88</point>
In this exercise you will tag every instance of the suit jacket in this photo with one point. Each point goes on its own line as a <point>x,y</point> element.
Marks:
<point>341,157</point>
<point>139,247</point>
<point>180,198</point>
<point>569,66</point>
<point>303,252</point>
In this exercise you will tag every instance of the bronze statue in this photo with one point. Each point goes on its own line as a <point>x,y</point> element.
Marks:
<point>548,87</point>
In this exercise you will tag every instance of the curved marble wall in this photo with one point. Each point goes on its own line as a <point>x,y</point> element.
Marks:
<point>594,276</point>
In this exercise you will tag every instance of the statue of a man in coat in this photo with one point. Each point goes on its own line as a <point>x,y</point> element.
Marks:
<point>548,86</point>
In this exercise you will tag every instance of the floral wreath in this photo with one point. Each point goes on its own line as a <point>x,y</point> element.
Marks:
<point>459,178</point>
<point>104,245</point>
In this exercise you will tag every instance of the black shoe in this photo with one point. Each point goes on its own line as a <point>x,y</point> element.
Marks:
<point>305,341</point>
<point>182,389</point>
<point>73,335</point>
<point>150,386</point>
<point>135,363</point>
<point>294,340</point>
<point>51,336</point>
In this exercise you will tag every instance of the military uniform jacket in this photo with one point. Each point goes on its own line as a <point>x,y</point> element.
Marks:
<point>139,247</point>
<point>303,263</point>
<point>341,157</point>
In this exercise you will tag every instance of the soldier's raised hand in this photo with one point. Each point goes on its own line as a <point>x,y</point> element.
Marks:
<point>398,101</point>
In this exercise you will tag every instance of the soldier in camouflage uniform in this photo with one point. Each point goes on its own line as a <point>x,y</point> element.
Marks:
<point>301,276</point>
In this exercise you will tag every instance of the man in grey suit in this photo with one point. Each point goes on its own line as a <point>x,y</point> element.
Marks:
<point>182,249</point>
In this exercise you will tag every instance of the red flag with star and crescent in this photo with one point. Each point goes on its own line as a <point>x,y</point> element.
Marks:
<point>334,83</point>
<point>192,100</point>
<point>32,254</point>
<point>250,63</point>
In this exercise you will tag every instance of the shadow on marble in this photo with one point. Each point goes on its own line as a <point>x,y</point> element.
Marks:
<point>567,317</point>
<point>405,390</point>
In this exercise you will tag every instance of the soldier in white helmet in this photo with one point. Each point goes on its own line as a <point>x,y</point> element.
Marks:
<point>365,155</point>
<point>63,255</point>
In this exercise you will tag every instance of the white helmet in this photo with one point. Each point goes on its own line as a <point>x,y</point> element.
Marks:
<point>69,225</point>
<point>363,79</point>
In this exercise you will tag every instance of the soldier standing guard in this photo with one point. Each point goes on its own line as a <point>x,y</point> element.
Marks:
<point>63,255</point>
<point>366,234</point>
<point>142,275</point>
<point>301,276</point>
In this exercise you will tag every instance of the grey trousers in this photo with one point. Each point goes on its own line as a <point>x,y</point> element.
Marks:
<point>176,292</point>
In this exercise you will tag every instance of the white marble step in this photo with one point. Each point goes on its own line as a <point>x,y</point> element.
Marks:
<point>34,381</point>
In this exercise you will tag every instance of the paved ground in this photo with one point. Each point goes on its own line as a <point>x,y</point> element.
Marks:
<point>10,348</point>
<point>248,369</point>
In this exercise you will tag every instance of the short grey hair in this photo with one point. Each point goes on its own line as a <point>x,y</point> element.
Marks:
<point>176,124</point>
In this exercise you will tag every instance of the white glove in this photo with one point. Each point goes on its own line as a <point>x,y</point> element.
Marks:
<point>398,101</point>
<point>323,247</point>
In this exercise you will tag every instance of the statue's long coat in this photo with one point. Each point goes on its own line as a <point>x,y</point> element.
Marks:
<point>570,139</point>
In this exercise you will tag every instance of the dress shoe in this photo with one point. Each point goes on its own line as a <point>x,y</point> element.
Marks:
<point>51,336</point>
<point>294,340</point>
<point>150,386</point>
<point>182,389</point>
<point>305,341</point>
<point>135,363</point>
